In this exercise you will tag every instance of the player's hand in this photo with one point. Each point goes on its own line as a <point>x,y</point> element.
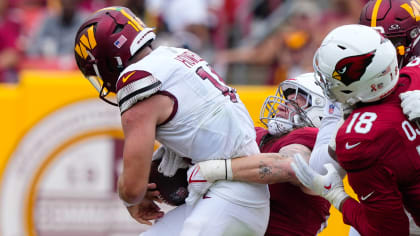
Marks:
<point>197,185</point>
<point>329,186</point>
<point>410,104</point>
<point>147,210</point>
<point>152,193</point>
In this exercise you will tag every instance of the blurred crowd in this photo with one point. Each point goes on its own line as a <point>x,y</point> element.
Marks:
<point>248,41</point>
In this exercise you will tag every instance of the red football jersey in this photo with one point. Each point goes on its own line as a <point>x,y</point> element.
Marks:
<point>293,212</point>
<point>379,149</point>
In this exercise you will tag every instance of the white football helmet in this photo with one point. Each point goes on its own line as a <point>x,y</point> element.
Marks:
<point>309,114</point>
<point>355,63</point>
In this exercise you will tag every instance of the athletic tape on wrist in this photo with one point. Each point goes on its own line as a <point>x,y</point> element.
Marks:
<point>229,172</point>
<point>214,170</point>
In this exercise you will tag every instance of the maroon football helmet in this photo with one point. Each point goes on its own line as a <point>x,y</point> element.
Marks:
<point>396,20</point>
<point>104,44</point>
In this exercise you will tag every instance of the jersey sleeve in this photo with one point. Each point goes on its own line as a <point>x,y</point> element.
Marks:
<point>134,86</point>
<point>260,132</point>
<point>305,136</point>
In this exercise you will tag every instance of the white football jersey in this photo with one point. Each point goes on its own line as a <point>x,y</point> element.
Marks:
<point>208,121</point>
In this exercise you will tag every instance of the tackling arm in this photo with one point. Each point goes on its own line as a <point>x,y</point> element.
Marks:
<point>268,168</point>
<point>265,168</point>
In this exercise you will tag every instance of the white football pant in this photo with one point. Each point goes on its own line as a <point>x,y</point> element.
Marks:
<point>213,216</point>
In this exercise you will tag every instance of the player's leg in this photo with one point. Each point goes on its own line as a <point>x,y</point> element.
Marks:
<point>170,224</point>
<point>216,216</point>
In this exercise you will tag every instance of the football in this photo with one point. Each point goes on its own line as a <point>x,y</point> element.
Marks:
<point>173,190</point>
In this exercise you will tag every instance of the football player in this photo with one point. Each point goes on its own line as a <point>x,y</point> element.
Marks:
<point>174,96</point>
<point>290,118</point>
<point>376,144</point>
<point>398,20</point>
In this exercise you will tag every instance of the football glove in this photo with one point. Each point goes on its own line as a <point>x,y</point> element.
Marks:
<point>410,103</point>
<point>197,185</point>
<point>329,186</point>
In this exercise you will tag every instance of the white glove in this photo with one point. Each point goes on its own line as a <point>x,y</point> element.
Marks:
<point>410,103</point>
<point>170,163</point>
<point>329,186</point>
<point>197,185</point>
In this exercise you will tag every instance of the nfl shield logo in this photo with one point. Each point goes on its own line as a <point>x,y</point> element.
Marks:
<point>120,41</point>
<point>331,109</point>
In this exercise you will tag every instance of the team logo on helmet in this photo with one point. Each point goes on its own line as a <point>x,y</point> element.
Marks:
<point>350,69</point>
<point>412,10</point>
<point>85,43</point>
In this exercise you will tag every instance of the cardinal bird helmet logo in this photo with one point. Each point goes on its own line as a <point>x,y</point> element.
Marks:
<point>351,69</point>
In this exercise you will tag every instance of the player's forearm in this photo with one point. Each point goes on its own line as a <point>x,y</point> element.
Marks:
<point>265,168</point>
<point>131,191</point>
<point>126,196</point>
<point>136,167</point>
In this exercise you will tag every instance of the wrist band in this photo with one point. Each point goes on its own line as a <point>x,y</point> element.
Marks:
<point>213,170</point>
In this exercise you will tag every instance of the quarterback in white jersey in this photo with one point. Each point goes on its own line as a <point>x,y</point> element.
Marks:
<point>174,96</point>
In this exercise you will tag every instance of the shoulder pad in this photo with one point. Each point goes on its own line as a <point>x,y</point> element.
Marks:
<point>134,86</point>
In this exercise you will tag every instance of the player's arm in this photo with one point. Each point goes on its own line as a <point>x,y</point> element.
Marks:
<point>265,168</point>
<point>268,168</point>
<point>139,126</point>
<point>410,100</point>
<point>324,149</point>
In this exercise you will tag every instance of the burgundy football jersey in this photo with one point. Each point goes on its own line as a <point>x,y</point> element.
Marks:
<point>293,212</point>
<point>379,149</point>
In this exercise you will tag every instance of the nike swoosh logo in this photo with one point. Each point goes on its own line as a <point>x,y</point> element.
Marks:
<point>124,79</point>
<point>367,196</point>
<point>327,187</point>
<point>348,146</point>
